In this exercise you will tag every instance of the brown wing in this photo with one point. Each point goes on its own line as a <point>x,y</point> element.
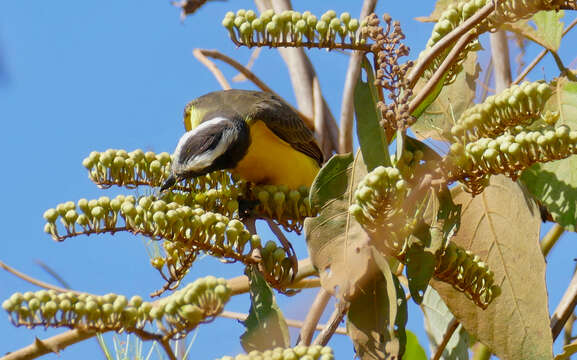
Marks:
<point>287,125</point>
<point>275,113</point>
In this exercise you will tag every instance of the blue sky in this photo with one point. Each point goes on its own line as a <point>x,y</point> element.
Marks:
<point>92,75</point>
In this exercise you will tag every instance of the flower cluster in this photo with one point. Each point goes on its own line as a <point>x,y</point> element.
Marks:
<point>508,154</point>
<point>378,207</point>
<point>292,28</point>
<point>468,274</point>
<point>517,105</point>
<point>176,314</point>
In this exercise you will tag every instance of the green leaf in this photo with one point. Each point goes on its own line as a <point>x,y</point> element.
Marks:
<point>437,319</point>
<point>337,244</point>
<point>377,316</point>
<point>369,130</point>
<point>554,184</point>
<point>548,31</point>
<point>501,226</point>
<point>414,350</point>
<point>443,110</point>
<point>266,327</point>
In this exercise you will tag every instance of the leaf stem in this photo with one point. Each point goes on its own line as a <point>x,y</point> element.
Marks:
<point>541,55</point>
<point>453,325</point>
<point>550,239</point>
<point>448,39</point>
<point>315,312</point>
<point>562,68</point>
<point>438,76</point>
<point>333,324</point>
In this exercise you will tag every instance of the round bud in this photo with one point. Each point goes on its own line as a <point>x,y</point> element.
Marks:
<point>322,27</point>
<point>228,23</point>
<point>279,254</point>
<point>250,15</point>
<point>50,215</point>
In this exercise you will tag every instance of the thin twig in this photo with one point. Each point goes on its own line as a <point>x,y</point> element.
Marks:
<point>289,322</point>
<point>167,349</point>
<point>53,273</point>
<point>550,239</point>
<point>486,80</point>
<point>447,40</point>
<point>453,325</point>
<point>34,281</point>
<point>347,103</point>
<point>242,77</point>
<point>213,68</point>
<point>333,323</point>
<point>314,315</point>
<point>565,308</point>
<point>445,66</point>
<point>568,329</point>
<point>215,54</point>
<point>541,55</point>
<point>53,344</point>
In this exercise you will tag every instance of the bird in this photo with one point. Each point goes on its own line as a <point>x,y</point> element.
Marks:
<point>255,135</point>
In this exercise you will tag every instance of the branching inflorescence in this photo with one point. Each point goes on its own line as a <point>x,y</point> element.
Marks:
<point>186,231</point>
<point>388,48</point>
<point>173,316</point>
<point>218,191</point>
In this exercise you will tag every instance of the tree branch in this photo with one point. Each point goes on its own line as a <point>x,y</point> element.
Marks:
<point>314,315</point>
<point>500,59</point>
<point>51,345</point>
<point>290,322</point>
<point>565,308</point>
<point>550,239</point>
<point>347,103</point>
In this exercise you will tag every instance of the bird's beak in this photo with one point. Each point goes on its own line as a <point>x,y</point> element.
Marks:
<point>168,183</point>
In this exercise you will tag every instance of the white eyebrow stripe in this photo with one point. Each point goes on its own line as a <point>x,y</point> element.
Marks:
<point>204,160</point>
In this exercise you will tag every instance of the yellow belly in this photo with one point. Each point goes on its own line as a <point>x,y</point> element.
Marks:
<point>270,160</point>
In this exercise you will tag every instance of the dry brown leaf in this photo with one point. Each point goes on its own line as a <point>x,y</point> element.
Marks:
<point>501,225</point>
